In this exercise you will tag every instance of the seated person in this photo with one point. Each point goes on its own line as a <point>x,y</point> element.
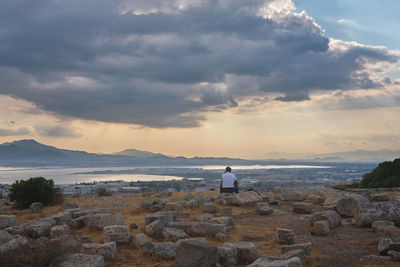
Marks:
<point>229,182</point>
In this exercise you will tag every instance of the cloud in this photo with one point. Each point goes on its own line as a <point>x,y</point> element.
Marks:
<point>14,132</point>
<point>57,131</point>
<point>153,63</point>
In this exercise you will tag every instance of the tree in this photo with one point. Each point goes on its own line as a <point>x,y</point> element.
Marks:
<point>36,189</point>
<point>387,174</point>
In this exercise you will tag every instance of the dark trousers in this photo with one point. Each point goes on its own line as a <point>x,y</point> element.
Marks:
<point>229,189</point>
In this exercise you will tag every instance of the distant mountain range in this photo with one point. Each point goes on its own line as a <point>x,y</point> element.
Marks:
<point>32,153</point>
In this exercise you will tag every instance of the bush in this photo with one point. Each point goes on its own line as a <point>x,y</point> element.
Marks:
<point>386,175</point>
<point>37,189</point>
<point>104,193</point>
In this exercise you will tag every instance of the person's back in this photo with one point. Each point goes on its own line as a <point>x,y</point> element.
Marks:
<point>229,182</point>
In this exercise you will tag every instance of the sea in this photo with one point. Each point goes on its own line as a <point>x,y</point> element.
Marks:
<point>64,175</point>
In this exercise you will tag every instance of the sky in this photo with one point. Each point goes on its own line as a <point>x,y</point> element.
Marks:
<point>201,77</point>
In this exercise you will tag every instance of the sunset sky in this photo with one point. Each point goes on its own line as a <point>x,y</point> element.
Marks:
<point>201,77</point>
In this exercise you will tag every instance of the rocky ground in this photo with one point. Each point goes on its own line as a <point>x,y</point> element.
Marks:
<point>284,228</point>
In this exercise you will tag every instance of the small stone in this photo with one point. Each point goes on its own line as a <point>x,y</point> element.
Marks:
<point>377,225</point>
<point>387,244</point>
<point>220,237</point>
<point>320,228</point>
<point>36,207</point>
<point>133,226</point>
<point>285,236</point>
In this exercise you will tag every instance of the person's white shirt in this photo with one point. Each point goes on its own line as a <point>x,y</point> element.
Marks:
<point>228,179</point>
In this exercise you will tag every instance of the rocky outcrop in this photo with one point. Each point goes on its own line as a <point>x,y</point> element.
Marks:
<point>350,204</point>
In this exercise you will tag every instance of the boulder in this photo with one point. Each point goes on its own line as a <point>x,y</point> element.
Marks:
<point>40,229</point>
<point>62,217</point>
<point>116,233</point>
<point>377,225</point>
<point>247,251</point>
<point>19,242</point>
<point>173,234</point>
<point>268,262</point>
<point>7,221</point>
<point>386,244</point>
<point>99,221</point>
<point>36,207</point>
<point>378,211</point>
<point>164,250</point>
<point>190,253</point>
<point>331,216</point>
<point>299,253</point>
<point>206,217</point>
<point>173,206</point>
<point>285,236</point>
<point>205,229</point>
<point>185,226</point>
<point>107,250</point>
<point>302,208</point>
<point>164,217</point>
<point>142,241</point>
<point>264,209</point>
<point>210,208</point>
<point>228,256</point>
<point>305,247</point>
<point>154,229</point>
<point>5,237</point>
<point>59,231</point>
<point>81,260</point>
<point>226,212</point>
<point>291,196</point>
<point>69,205</point>
<point>248,198</point>
<point>395,255</point>
<point>350,204</point>
<point>82,221</point>
<point>228,221</point>
<point>380,197</point>
<point>315,199</point>
<point>320,228</point>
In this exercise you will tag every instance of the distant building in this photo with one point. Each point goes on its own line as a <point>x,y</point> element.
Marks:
<point>131,189</point>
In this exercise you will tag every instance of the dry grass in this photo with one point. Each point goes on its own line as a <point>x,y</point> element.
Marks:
<point>249,226</point>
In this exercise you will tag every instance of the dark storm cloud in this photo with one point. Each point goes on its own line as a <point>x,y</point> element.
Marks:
<point>87,59</point>
<point>14,132</point>
<point>57,131</point>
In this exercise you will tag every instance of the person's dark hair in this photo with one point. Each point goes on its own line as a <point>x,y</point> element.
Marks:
<point>228,169</point>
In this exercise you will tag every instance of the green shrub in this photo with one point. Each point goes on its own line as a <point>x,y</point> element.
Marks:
<point>386,175</point>
<point>37,189</point>
<point>104,193</point>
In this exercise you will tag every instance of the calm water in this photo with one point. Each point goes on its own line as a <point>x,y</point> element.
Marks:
<point>72,175</point>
